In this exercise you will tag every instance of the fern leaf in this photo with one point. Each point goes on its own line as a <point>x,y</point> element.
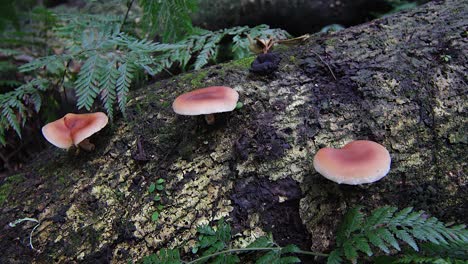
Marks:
<point>10,116</point>
<point>403,235</point>
<point>107,81</point>
<point>267,258</point>
<point>362,244</point>
<point>164,256</point>
<point>378,242</point>
<point>388,237</point>
<point>352,220</point>
<point>226,259</point>
<point>288,260</point>
<point>335,257</point>
<point>403,214</point>
<point>263,241</point>
<point>123,84</point>
<point>350,251</point>
<point>9,52</point>
<point>290,249</point>
<point>206,230</point>
<point>86,83</point>
<point>2,133</point>
<point>380,215</point>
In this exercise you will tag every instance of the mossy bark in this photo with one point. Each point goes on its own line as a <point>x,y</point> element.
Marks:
<point>400,81</point>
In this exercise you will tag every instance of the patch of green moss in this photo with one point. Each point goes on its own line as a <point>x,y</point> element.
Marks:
<point>4,192</point>
<point>292,59</point>
<point>243,63</point>
<point>195,78</point>
<point>331,42</point>
<point>5,188</point>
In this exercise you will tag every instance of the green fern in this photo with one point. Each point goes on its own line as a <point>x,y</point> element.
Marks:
<point>169,18</point>
<point>14,106</point>
<point>164,256</point>
<point>214,245</point>
<point>204,46</point>
<point>109,60</point>
<point>385,227</point>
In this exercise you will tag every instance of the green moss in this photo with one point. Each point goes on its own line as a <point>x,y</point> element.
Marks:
<point>6,187</point>
<point>4,192</point>
<point>331,42</point>
<point>195,78</point>
<point>243,63</point>
<point>292,59</point>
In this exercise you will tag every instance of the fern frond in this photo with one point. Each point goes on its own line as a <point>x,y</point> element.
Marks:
<point>107,81</point>
<point>9,83</point>
<point>204,45</point>
<point>164,256</point>
<point>45,62</point>
<point>86,84</point>
<point>13,108</point>
<point>9,52</point>
<point>126,71</point>
<point>385,226</point>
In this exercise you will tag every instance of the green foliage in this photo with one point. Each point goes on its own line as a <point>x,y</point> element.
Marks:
<point>212,241</point>
<point>15,106</point>
<point>100,62</point>
<point>8,15</point>
<point>214,247</point>
<point>164,256</point>
<point>205,45</point>
<point>385,228</point>
<point>109,58</point>
<point>159,185</point>
<point>168,18</point>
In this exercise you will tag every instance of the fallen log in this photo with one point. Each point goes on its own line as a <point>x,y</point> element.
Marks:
<point>399,81</point>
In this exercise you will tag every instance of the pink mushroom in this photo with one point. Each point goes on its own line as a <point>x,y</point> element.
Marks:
<point>74,129</point>
<point>206,101</point>
<point>358,162</point>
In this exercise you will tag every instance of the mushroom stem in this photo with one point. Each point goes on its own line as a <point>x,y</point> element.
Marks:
<point>210,119</point>
<point>86,145</point>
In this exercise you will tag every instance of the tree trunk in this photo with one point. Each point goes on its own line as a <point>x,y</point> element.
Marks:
<point>295,16</point>
<point>400,81</point>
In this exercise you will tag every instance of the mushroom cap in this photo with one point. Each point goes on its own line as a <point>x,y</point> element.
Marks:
<point>358,162</point>
<point>74,128</point>
<point>210,100</point>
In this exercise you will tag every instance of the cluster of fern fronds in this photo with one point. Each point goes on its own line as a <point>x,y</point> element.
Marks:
<point>385,227</point>
<point>383,230</point>
<point>214,246</point>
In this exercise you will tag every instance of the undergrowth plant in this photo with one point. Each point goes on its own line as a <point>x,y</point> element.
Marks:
<point>16,106</point>
<point>383,230</point>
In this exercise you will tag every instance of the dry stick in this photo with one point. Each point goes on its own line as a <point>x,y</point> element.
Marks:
<point>62,81</point>
<point>326,64</point>
<point>129,6</point>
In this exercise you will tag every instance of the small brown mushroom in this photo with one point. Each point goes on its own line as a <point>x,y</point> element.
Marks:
<point>74,129</point>
<point>206,101</point>
<point>358,162</point>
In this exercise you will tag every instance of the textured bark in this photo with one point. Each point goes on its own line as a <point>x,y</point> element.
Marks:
<point>394,85</point>
<point>296,16</point>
